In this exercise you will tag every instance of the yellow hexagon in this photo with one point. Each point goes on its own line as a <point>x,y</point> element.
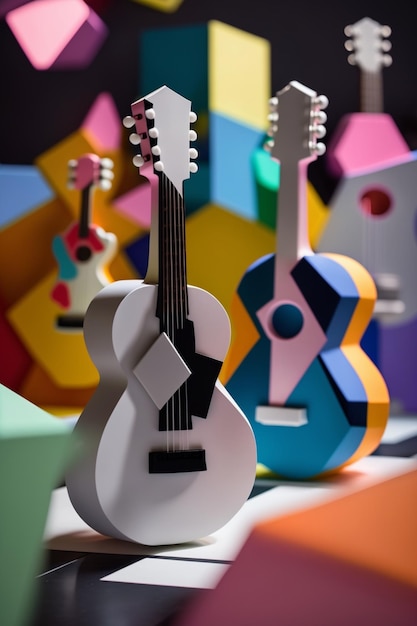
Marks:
<point>62,354</point>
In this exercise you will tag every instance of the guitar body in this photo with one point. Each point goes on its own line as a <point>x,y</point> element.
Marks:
<point>111,488</point>
<point>320,368</point>
<point>81,274</point>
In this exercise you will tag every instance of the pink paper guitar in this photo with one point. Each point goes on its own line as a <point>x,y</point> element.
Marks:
<point>315,400</point>
<point>369,138</point>
<point>84,250</point>
<point>171,456</point>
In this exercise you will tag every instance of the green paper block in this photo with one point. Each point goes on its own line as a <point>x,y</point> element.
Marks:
<point>35,448</point>
<point>266,172</point>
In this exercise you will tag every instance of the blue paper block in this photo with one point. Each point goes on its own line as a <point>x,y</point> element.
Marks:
<point>232,179</point>
<point>22,189</point>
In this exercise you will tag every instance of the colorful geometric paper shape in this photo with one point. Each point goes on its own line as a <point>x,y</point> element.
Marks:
<point>103,123</point>
<point>347,561</point>
<point>33,234</point>
<point>22,189</point>
<point>168,6</point>
<point>227,243</point>
<point>362,141</point>
<point>35,449</point>
<point>232,183</point>
<point>62,354</point>
<point>64,34</point>
<point>219,71</point>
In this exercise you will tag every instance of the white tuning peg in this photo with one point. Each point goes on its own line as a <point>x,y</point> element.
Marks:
<point>351,59</point>
<point>386,31</point>
<point>386,45</point>
<point>273,117</point>
<point>319,131</point>
<point>319,117</point>
<point>156,151</point>
<point>349,45</point>
<point>150,114</point>
<point>138,160</point>
<point>193,153</point>
<point>273,103</point>
<point>153,133</point>
<point>268,145</point>
<point>107,163</point>
<point>128,121</point>
<point>134,139</point>
<point>159,166</point>
<point>348,30</point>
<point>72,164</point>
<point>107,174</point>
<point>193,168</point>
<point>192,135</point>
<point>387,60</point>
<point>322,102</point>
<point>319,148</point>
<point>193,117</point>
<point>105,184</point>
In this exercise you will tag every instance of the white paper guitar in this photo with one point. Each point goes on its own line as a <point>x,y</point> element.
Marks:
<point>172,457</point>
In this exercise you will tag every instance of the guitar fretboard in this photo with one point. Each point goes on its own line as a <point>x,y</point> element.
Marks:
<point>84,221</point>
<point>371,92</point>
<point>172,308</point>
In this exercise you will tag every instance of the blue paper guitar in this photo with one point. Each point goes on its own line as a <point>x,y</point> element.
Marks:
<point>313,397</point>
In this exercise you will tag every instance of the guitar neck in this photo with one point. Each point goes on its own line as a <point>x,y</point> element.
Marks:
<point>84,221</point>
<point>172,306</point>
<point>292,224</point>
<point>371,92</point>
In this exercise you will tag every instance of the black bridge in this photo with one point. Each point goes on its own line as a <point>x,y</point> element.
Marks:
<point>163,462</point>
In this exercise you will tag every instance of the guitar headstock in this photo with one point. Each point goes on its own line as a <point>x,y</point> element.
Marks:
<point>296,123</point>
<point>368,45</point>
<point>162,130</point>
<point>90,170</point>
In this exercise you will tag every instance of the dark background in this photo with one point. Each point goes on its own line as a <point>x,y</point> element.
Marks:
<point>40,108</point>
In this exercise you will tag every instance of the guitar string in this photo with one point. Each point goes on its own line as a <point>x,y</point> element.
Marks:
<point>173,311</point>
<point>84,285</point>
<point>183,299</point>
<point>167,253</point>
<point>372,242</point>
<point>179,290</point>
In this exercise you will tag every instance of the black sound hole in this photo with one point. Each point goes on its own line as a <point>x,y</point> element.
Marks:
<point>83,253</point>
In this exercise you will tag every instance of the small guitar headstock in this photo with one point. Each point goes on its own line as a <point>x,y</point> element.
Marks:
<point>162,129</point>
<point>368,45</point>
<point>296,123</point>
<point>90,170</point>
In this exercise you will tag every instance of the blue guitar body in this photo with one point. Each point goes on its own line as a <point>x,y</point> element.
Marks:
<point>331,390</point>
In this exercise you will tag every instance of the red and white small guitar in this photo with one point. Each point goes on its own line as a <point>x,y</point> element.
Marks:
<point>84,250</point>
<point>171,456</point>
<point>369,138</point>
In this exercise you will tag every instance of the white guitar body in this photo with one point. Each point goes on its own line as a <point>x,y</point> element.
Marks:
<point>111,487</point>
<point>91,275</point>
